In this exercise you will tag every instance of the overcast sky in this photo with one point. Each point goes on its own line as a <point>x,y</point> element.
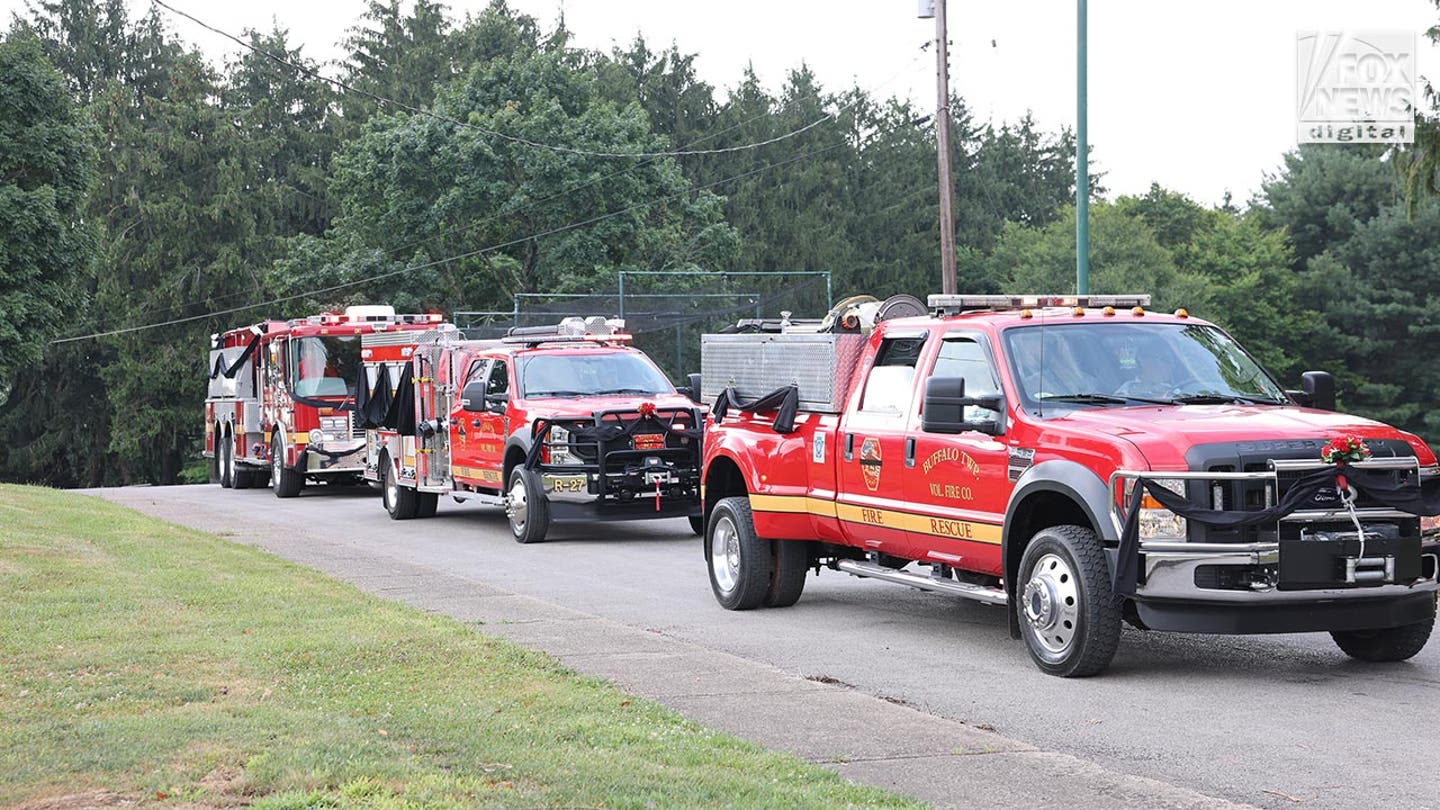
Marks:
<point>1197,96</point>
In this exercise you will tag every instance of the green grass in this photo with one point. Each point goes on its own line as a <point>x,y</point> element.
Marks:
<point>172,667</point>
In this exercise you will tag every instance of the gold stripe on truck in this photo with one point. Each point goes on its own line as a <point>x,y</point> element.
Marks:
<point>870,516</point>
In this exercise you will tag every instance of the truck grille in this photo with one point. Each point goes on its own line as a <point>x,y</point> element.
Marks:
<point>1254,495</point>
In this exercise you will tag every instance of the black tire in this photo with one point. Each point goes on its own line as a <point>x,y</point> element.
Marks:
<point>791,565</point>
<point>215,457</point>
<point>400,501</point>
<point>1385,645</point>
<point>526,507</point>
<point>697,525</point>
<point>1068,614</point>
<point>425,504</point>
<point>741,571</point>
<point>244,479</point>
<point>286,481</point>
<point>225,453</point>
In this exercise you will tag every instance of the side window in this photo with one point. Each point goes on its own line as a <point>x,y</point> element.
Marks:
<point>498,383</point>
<point>476,370</point>
<point>890,385</point>
<point>967,359</point>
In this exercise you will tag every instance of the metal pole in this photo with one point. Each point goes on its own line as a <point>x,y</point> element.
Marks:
<point>1082,160</point>
<point>622,295</point>
<point>942,148</point>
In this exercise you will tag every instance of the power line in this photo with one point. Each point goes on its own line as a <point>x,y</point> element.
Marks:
<point>457,257</point>
<point>484,130</point>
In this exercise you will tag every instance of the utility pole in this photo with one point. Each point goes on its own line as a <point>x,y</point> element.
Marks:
<point>1082,159</point>
<point>942,144</point>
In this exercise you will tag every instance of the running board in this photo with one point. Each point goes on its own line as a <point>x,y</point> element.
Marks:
<point>979,593</point>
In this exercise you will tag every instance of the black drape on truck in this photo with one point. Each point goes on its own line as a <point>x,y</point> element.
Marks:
<point>229,372</point>
<point>372,402</point>
<point>400,414</point>
<point>785,402</point>
<point>1377,485</point>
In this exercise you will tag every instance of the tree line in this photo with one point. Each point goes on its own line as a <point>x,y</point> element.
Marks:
<point>459,162</point>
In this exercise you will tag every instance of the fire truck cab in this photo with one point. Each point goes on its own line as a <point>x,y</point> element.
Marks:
<point>1080,461</point>
<point>280,402</point>
<point>565,422</point>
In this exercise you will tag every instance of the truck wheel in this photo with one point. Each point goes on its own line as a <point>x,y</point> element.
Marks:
<point>526,507</point>
<point>792,564</point>
<point>226,453</point>
<point>1388,644</point>
<point>425,503</point>
<point>697,525</point>
<point>1068,615</point>
<point>399,501</point>
<point>286,481</point>
<point>741,564</point>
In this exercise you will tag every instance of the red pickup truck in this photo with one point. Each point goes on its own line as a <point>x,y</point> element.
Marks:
<point>1083,461</point>
<point>565,422</point>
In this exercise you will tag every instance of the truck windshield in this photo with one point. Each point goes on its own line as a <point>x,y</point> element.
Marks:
<point>1117,364</point>
<point>590,374</point>
<point>324,366</point>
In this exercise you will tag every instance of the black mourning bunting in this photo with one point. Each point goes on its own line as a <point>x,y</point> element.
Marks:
<point>1377,485</point>
<point>229,372</point>
<point>372,405</point>
<point>785,402</point>
<point>400,415</point>
<point>609,431</point>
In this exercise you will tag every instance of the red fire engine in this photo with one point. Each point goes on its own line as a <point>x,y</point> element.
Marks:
<point>1081,460</point>
<point>281,397</point>
<point>564,422</point>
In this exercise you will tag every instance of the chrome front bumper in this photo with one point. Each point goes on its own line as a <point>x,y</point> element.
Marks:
<point>1169,568</point>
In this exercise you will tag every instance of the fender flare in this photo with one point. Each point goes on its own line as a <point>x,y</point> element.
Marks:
<point>521,440</point>
<point>1070,479</point>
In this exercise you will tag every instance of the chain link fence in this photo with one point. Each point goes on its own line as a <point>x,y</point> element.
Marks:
<point>667,312</point>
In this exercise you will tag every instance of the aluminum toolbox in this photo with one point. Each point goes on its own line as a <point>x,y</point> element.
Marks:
<point>755,364</point>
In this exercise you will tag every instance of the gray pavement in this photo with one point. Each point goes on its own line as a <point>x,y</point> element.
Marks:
<point>910,691</point>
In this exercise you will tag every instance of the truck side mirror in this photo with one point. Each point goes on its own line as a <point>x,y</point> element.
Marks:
<point>472,397</point>
<point>943,408</point>
<point>1318,390</point>
<point>691,388</point>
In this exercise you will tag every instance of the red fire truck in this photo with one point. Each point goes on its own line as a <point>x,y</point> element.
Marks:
<point>565,422</point>
<point>281,394</point>
<point>1083,461</point>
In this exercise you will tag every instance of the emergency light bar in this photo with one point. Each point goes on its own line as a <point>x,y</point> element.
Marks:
<point>955,304</point>
<point>594,328</point>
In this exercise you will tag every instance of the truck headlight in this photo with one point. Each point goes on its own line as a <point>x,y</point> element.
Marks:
<point>559,446</point>
<point>1155,521</point>
<point>335,427</point>
<point>316,436</point>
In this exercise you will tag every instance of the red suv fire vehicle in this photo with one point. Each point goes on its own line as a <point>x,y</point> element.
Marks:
<point>1081,460</point>
<point>280,398</point>
<point>565,422</point>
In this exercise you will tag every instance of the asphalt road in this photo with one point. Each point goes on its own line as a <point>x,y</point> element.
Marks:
<point>1273,721</point>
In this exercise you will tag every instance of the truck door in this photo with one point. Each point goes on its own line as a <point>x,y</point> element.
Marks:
<point>871,500</point>
<point>466,462</point>
<point>958,481</point>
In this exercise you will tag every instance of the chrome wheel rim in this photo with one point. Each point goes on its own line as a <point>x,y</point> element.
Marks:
<point>277,463</point>
<point>515,508</point>
<point>1050,605</point>
<point>391,493</point>
<point>725,553</point>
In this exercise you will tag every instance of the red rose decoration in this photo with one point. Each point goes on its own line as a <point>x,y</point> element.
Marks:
<point>1344,450</point>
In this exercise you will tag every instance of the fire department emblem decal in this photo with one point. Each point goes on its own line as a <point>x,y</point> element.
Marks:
<point>870,463</point>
